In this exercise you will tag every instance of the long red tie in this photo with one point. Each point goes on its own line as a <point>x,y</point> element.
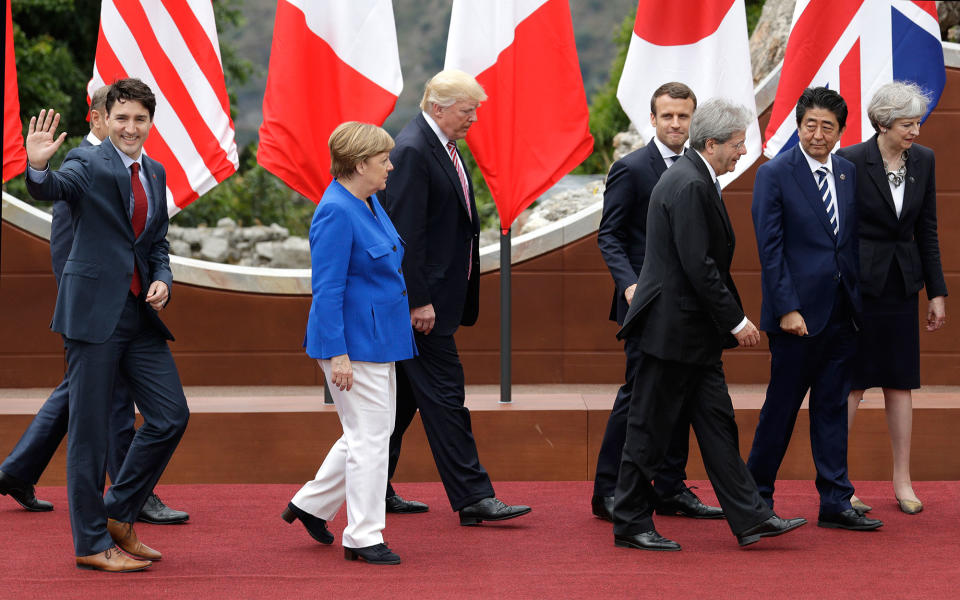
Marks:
<point>138,220</point>
<point>452,149</point>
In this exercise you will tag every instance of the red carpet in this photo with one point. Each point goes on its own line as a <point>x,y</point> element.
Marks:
<point>236,546</point>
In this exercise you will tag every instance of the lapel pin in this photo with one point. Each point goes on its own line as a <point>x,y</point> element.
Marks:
<point>843,176</point>
<point>910,179</point>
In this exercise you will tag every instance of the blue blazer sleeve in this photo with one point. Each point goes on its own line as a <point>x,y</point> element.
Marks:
<point>331,241</point>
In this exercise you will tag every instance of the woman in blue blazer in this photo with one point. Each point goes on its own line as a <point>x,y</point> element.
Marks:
<point>358,327</point>
<point>899,255</point>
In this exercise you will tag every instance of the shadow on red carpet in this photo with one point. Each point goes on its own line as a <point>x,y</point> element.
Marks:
<point>236,546</point>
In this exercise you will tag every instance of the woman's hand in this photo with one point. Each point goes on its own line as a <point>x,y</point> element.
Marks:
<point>936,313</point>
<point>341,372</point>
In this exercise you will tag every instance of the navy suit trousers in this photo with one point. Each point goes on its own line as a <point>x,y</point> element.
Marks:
<point>668,480</point>
<point>140,352</point>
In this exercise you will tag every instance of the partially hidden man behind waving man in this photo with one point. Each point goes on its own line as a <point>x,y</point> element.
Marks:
<point>23,467</point>
<point>115,280</point>
<point>429,198</point>
<point>686,310</point>
<point>622,240</point>
<point>805,219</point>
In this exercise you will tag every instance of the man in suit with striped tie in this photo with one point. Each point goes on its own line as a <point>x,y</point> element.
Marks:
<point>805,219</point>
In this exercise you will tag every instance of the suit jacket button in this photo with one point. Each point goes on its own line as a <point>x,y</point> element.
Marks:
<point>394,248</point>
<point>403,293</point>
<point>400,271</point>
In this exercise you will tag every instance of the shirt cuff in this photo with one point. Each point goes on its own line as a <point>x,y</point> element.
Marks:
<point>37,176</point>
<point>742,324</point>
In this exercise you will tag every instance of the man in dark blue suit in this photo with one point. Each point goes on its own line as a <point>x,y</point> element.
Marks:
<point>429,198</point>
<point>622,238</point>
<point>115,280</point>
<point>23,467</point>
<point>805,219</point>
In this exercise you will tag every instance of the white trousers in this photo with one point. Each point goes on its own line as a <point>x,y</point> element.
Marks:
<point>355,469</point>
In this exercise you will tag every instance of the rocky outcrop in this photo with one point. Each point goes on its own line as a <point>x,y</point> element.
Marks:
<point>769,38</point>
<point>257,246</point>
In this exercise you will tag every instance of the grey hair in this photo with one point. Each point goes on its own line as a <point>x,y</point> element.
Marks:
<point>717,119</point>
<point>447,87</point>
<point>896,100</point>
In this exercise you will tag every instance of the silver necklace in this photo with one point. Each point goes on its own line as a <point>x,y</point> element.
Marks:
<point>896,177</point>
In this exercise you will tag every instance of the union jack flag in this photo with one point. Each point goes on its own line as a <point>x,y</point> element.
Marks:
<point>854,47</point>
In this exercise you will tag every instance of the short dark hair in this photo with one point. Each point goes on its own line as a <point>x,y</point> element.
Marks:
<point>131,89</point>
<point>674,89</point>
<point>825,98</point>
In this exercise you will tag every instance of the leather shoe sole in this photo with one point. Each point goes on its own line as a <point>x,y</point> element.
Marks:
<point>111,561</point>
<point>400,506</point>
<point>752,538</point>
<point>646,541</point>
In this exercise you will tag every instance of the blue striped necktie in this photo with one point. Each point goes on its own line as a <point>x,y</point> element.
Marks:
<point>828,200</point>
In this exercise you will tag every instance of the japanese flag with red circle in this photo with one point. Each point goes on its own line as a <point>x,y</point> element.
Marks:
<point>702,43</point>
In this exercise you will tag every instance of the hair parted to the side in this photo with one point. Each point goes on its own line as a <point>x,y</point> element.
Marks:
<point>674,89</point>
<point>717,119</point>
<point>353,142</point>
<point>825,98</point>
<point>98,101</point>
<point>897,100</point>
<point>448,86</point>
<point>131,89</point>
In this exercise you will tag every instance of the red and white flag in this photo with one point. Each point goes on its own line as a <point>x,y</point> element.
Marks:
<point>14,154</point>
<point>330,62</point>
<point>534,126</point>
<point>702,43</point>
<point>172,47</point>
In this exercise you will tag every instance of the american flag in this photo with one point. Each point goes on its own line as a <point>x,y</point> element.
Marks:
<point>172,46</point>
<point>854,47</point>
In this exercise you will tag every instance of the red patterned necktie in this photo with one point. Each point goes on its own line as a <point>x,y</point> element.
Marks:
<point>138,220</point>
<point>452,149</point>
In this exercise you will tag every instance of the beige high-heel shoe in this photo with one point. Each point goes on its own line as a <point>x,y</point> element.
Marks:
<point>911,507</point>
<point>859,506</point>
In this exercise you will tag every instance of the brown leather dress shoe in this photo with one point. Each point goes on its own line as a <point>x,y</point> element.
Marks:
<point>125,537</point>
<point>112,560</point>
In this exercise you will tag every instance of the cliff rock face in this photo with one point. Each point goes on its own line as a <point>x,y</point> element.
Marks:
<point>769,37</point>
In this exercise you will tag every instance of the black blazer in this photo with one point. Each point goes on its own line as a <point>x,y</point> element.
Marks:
<point>911,239</point>
<point>97,273</point>
<point>61,231</point>
<point>686,303</point>
<point>622,233</point>
<point>425,201</point>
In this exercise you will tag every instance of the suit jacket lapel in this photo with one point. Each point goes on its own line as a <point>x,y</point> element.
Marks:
<point>809,190</point>
<point>911,193</point>
<point>877,175</point>
<point>443,159</point>
<point>657,162</point>
<point>122,177</point>
<point>158,195</point>
<point>714,196</point>
<point>846,198</point>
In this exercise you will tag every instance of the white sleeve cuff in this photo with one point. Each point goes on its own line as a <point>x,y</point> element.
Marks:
<point>737,329</point>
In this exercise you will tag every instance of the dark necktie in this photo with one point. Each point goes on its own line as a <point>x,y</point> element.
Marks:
<point>674,159</point>
<point>452,149</point>
<point>137,220</point>
<point>828,202</point>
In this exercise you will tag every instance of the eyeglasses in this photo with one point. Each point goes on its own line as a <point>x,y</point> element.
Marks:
<point>739,145</point>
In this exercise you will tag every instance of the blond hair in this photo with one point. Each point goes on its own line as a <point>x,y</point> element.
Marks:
<point>448,86</point>
<point>353,142</point>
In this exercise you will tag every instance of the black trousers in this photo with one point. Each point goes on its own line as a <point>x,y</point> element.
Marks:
<point>433,383</point>
<point>140,353</point>
<point>672,472</point>
<point>664,393</point>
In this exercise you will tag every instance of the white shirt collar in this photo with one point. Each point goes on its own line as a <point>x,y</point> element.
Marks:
<point>713,174</point>
<point>127,161</point>
<point>815,164</point>
<point>436,129</point>
<point>666,152</point>
<point>93,139</point>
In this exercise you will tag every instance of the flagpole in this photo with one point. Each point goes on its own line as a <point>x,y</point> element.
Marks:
<point>505,344</point>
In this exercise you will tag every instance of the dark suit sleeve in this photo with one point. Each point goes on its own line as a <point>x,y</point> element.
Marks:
<point>619,196</point>
<point>68,183</point>
<point>768,226</point>
<point>691,234</point>
<point>925,232</point>
<point>408,194</point>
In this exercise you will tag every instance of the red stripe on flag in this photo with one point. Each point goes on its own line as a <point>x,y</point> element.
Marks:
<point>111,70</point>
<point>172,87</point>
<point>534,127</point>
<point>200,47</point>
<point>14,154</point>
<point>928,6</point>
<point>850,89</point>
<point>812,38</point>
<point>305,100</point>
<point>678,23</point>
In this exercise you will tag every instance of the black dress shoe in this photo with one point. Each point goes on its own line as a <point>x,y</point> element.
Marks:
<point>602,507</point>
<point>647,540</point>
<point>490,509</point>
<point>378,554</point>
<point>771,527</point>
<point>316,527</point>
<point>686,504</point>
<point>848,519</point>
<point>154,511</point>
<point>396,504</point>
<point>23,493</point>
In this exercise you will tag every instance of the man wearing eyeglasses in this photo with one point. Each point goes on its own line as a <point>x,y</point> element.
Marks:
<point>805,219</point>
